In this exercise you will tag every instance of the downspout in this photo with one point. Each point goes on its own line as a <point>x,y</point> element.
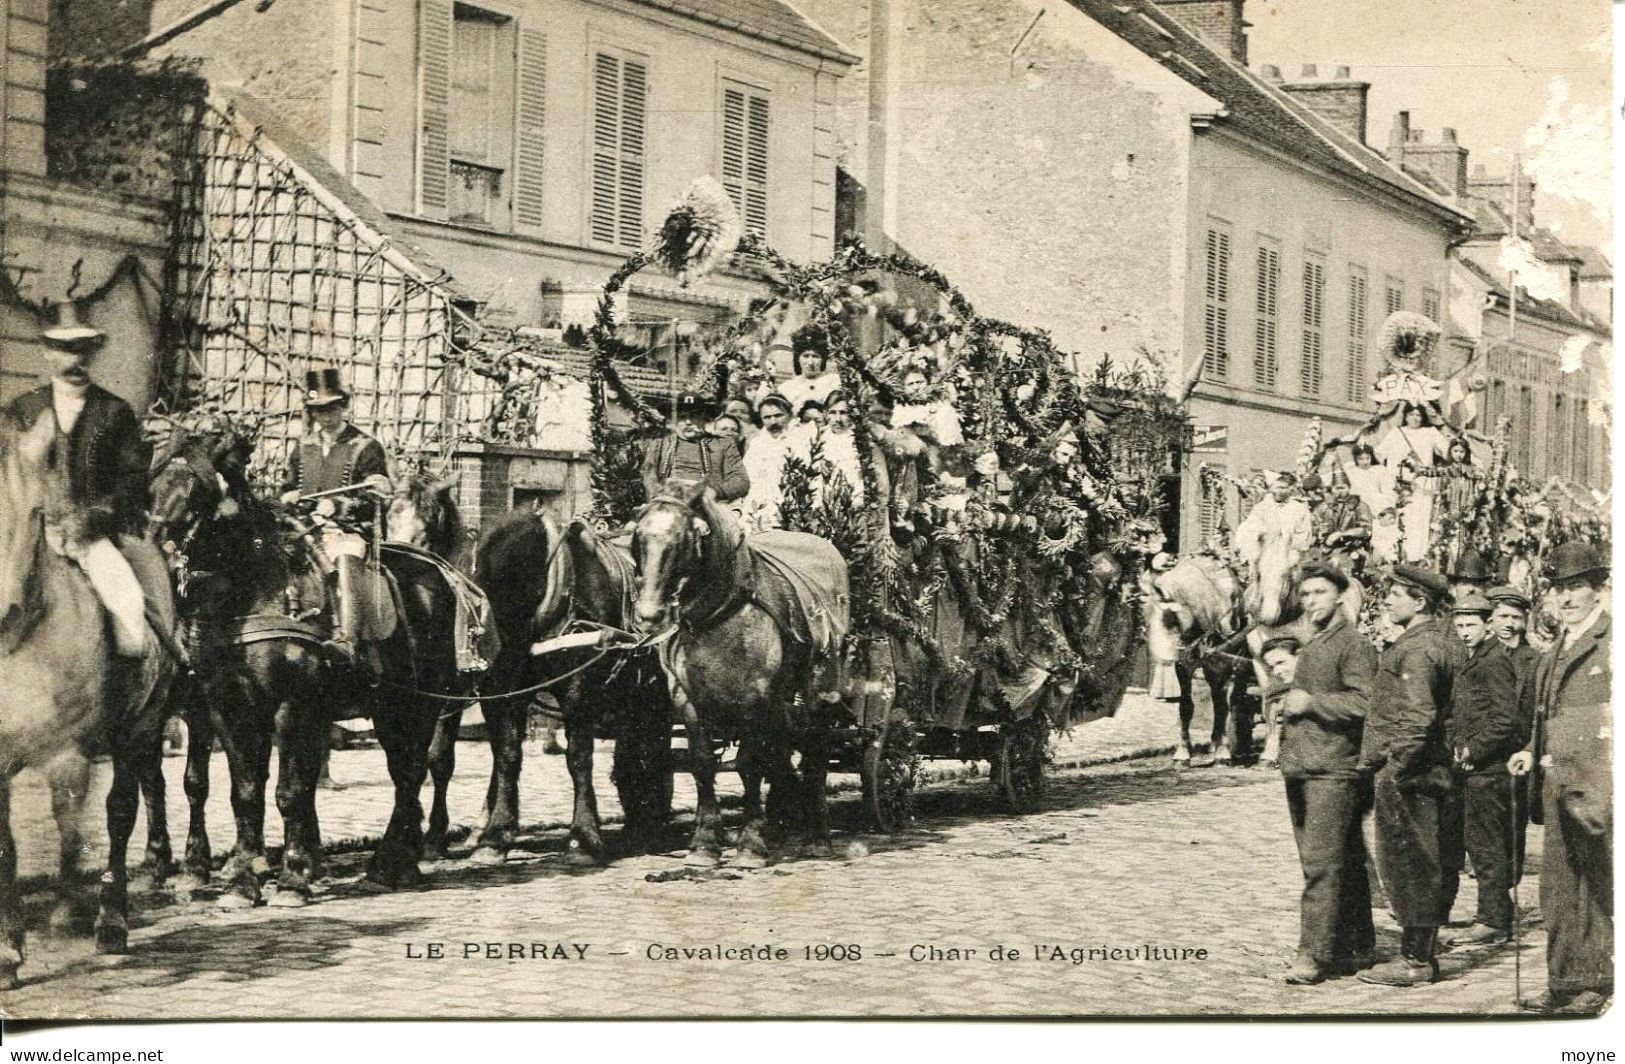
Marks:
<point>885,51</point>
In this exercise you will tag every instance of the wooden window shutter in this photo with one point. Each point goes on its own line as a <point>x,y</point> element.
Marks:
<point>1266,361</point>
<point>1216,319</point>
<point>531,98</point>
<point>634,96</point>
<point>756,167</point>
<point>733,146</point>
<point>606,129</point>
<point>434,104</point>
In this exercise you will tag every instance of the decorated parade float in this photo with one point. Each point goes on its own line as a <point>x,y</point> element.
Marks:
<point>994,506</point>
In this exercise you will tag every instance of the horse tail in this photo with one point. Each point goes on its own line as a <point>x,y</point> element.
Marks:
<point>553,610</point>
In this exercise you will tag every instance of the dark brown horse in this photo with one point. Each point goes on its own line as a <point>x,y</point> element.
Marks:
<point>257,617</point>
<point>732,671</point>
<point>544,582</point>
<point>65,693</point>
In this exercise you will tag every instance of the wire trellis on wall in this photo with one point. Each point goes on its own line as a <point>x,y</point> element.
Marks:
<point>274,274</point>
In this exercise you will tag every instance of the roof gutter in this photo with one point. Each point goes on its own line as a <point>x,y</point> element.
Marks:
<point>159,38</point>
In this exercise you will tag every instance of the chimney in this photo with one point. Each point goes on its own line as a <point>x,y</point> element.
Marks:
<point>1498,190</point>
<point>1220,22</point>
<point>1340,100</point>
<point>1445,162</point>
<point>1270,72</point>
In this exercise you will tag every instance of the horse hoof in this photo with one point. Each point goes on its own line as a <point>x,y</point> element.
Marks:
<point>748,859</point>
<point>488,855</point>
<point>369,885</point>
<point>579,856</point>
<point>233,900</point>
<point>702,859</point>
<point>188,884</point>
<point>260,866</point>
<point>1182,757</point>
<point>287,899</point>
<point>112,938</point>
<point>821,848</point>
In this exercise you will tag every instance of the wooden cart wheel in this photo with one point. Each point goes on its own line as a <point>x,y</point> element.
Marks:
<point>1018,770</point>
<point>887,771</point>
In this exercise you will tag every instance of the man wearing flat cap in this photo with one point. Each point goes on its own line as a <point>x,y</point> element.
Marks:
<point>1406,747</point>
<point>1573,745</point>
<point>334,454</point>
<point>1486,727</point>
<point>691,453</point>
<point>765,457</point>
<point>1509,623</point>
<point>106,461</point>
<point>1322,718</point>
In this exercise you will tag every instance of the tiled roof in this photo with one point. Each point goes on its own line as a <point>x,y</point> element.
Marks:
<point>1528,304</point>
<point>1253,106</point>
<point>769,20</point>
<point>1594,265</point>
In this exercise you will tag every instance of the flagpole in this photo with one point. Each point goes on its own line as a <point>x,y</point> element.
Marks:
<point>1512,275</point>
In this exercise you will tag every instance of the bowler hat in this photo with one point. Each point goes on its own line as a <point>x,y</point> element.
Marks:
<point>1510,596</point>
<point>1574,559</point>
<point>69,333</point>
<point>1471,566</point>
<point>1424,580</point>
<point>691,405</point>
<point>1474,601</point>
<point>1289,643</point>
<point>324,387</point>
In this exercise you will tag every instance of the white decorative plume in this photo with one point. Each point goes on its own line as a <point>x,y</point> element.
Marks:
<point>1311,447</point>
<point>699,234</point>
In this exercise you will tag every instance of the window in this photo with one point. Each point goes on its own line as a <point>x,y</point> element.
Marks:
<point>1266,359</point>
<point>481,88</point>
<point>620,96</point>
<point>1582,434</point>
<point>1314,324</point>
<point>1495,406</point>
<point>744,153</point>
<point>1359,297</point>
<point>1559,435</point>
<point>1430,305</point>
<point>1216,309</point>
<point>1396,295</point>
<point>1524,430</point>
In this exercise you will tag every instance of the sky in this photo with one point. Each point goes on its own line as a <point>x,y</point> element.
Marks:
<point>1529,76</point>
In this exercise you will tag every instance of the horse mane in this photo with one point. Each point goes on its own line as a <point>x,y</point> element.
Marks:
<point>442,519</point>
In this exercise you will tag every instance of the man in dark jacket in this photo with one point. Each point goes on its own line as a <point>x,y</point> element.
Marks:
<point>106,458</point>
<point>1486,728</point>
<point>1573,742</point>
<point>1405,745</point>
<point>1323,715</point>
<point>1509,623</point>
<point>690,453</point>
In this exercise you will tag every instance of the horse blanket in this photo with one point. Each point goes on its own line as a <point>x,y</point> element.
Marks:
<point>801,581</point>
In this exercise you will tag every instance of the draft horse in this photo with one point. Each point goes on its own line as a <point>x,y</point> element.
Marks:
<point>546,581</point>
<point>66,693</point>
<point>733,667</point>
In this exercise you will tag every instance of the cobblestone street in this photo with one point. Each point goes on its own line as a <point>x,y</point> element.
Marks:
<point>1183,883</point>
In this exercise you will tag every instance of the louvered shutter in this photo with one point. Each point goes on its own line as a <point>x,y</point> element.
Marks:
<point>733,146</point>
<point>606,134</point>
<point>1216,319</point>
<point>434,102</point>
<point>1359,295</point>
<point>528,158</point>
<point>1314,305</point>
<point>1267,359</point>
<point>755,210</point>
<point>634,97</point>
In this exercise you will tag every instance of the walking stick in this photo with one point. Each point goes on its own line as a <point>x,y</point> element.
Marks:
<point>1517,874</point>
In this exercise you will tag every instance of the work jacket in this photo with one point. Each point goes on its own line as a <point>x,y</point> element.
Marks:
<point>1338,670</point>
<point>1406,728</point>
<point>1485,717</point>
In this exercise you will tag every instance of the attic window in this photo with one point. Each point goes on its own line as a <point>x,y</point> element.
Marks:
<point>1174,57</point>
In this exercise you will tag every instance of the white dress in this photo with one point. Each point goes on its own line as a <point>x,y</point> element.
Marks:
<point>1373,485</point>
<point>764,464</point>
<point>841,452</point>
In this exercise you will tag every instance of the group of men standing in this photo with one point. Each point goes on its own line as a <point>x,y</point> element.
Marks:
<point>1437,735</point>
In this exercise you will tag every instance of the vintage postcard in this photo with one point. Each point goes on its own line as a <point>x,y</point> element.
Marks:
<point>630,509</point>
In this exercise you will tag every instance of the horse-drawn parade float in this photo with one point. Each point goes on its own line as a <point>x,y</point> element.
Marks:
<point>964,560</point>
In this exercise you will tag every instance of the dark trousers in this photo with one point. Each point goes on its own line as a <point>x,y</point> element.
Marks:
<point>1452,846</point>
<point>1488,812</point>
<point>1409,852</point>
<point>1335,910</point>
<point>1577,898</point>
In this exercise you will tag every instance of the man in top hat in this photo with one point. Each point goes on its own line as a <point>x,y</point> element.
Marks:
<point>335,454</point>
<point>1276,516</point>
<point>765,456</point>
<point>106,460</point>
<point>1486,727</point>
<point>1405,745</point>
<point>691,453</point>
<point>1573,743</point>
<point>1323,717</point>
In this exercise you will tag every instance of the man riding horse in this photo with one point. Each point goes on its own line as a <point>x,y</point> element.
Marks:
<point>347,468</point>
<point>105,457</point>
